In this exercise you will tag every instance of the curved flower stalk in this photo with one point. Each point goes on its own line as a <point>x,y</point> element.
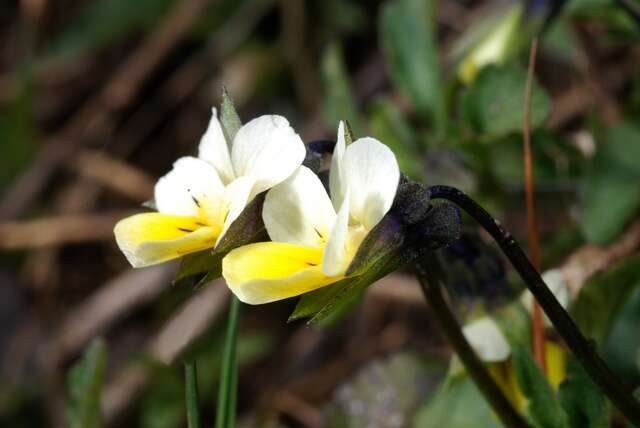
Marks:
<point>315,237</point>
<point>200,197</point>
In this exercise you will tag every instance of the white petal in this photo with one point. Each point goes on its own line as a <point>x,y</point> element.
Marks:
<point>558,286</point>
<point>335,261</point>
<point>336,181</point>
<point>487,340</point>
<point>237,196</point>
<point>191,188</point>
<point>371,175</point>
<point>215,150</point>
<point>268,150</point>
<point>298,210</point>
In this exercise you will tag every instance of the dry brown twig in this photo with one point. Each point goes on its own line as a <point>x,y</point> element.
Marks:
<point>58,230</point>
<point>114,174</point>
<point>93,118</point>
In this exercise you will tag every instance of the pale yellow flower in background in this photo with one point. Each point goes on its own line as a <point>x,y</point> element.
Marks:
<point>315,237</point>
<point>200,197</point>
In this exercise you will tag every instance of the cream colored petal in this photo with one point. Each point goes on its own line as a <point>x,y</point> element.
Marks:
<point>269,271</point>
<point>191,188</point>
<point>554,278</point>
<point>268,150</point>
<point>298,210</point>
<point>150,238</point>
<point>371,174</point>
<point>487,340</point>
<point>335,261</point>
<point>214,149</point>
<point>237,195</point>
<point>336,175</point>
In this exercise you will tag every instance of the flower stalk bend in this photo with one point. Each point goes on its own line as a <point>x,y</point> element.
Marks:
<point>583,349</point>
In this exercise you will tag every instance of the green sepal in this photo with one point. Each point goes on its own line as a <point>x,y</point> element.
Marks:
<point>229,117</point>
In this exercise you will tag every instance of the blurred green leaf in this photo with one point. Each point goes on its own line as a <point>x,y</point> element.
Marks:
<point>407,29</point>
<point>163,405</point>
<point>543,407</point>
<point>602,296</point>
<point>104,22</point>
<point>556,162</point>
<point>339,102</point>
<point>457,404</point>
<point>611,190</point>
<point>390,127</point>
<point>515,323</point>
<point>17,133</point>
<point>622,347</point>
<point>585,405</point>
<point>494,104</point>
<point>85,386</point>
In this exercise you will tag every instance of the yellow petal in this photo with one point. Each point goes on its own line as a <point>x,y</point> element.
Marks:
<point>556,363</point>
<point>504,375</point>
<point>270,271</point>
<point>151,238</point>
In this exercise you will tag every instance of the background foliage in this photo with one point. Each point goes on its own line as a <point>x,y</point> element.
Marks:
<point>97,98</point>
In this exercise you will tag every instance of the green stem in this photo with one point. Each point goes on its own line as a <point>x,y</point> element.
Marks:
<point>191,394</point>
<point>584,350</point>
<point>430,285</point>
<point>227,391</point>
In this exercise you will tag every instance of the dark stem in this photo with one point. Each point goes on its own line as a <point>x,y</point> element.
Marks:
<point>430,284</point>
<point>583,349</point>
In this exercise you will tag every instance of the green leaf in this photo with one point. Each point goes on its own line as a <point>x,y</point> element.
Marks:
<point>339,102</point>
<point>611,194</point>
<point>585,405</point>
<point>622,347</point>
<point>104,22</point>
<point>506,157</point>
<point>515,323</point>
<point>389,126</point>
<point>601,298</point>
<point>17,135</point>
<point>544,407</point>
<point>457,404</point>
<point>494,104</point>
<point>407,29</point>
<point>85,383</point>
<point>229,117</point>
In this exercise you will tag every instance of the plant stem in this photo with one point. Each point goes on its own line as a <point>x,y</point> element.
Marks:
<point>227,391</point>
<point>534,241</point>
<point>430,284</point>
<point>191,394</point>
<point>583,349</point>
